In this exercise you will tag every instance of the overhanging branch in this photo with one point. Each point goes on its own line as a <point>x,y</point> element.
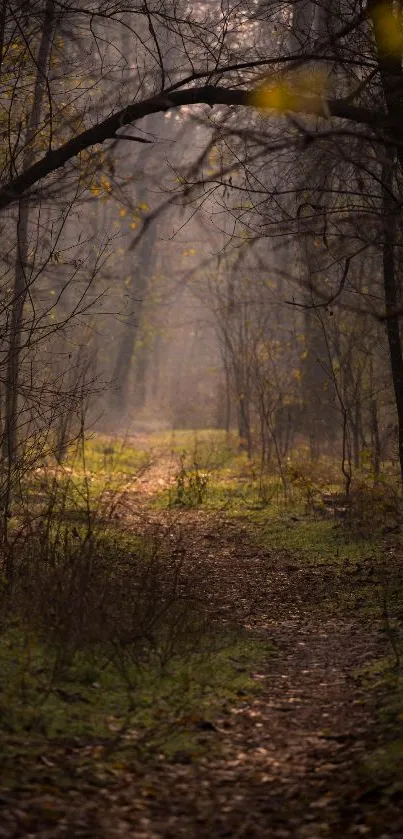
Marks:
<point>209,95</point>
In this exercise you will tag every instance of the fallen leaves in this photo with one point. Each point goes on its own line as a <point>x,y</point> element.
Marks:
<point>279,772</point>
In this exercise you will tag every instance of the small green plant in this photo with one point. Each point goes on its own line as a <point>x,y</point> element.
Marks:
<point>267,492</point>
<point>191,485</point>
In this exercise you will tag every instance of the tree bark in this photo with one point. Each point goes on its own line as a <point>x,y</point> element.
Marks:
<point>141,272</point>
<point>391,75</point>
<point>21,279</point>
<point>392,297</point>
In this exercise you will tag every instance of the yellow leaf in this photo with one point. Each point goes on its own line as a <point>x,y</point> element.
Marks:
<point>388,29</point>
<point>122,212</point>
<point>277,96</point>
<point>303,90</point>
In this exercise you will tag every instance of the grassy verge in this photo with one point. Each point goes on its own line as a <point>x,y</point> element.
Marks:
<point>383,679</point>
<point>360,543</point>
<point>116,710</point>
<point>92,473</point>
<point>212,474</point>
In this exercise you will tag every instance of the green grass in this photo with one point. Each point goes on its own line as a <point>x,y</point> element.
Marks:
<point>382,768</point>
<point>382,678</point>
<point>205,440</point>
<point>295,521</point>
<point>316,540</point>
<point>120,707</point>
<point>87,479</point>
<point>108,456</point>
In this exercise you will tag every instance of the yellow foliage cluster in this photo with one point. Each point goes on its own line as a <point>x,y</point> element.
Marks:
<point>388,25</point>
<point>102,187</point>
<point>299,90</point>
<point>135,215</point>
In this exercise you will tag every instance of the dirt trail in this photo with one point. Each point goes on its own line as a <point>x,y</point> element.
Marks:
<point>289,755</point>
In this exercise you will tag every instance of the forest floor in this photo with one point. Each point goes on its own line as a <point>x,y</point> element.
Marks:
<point>303,754</point>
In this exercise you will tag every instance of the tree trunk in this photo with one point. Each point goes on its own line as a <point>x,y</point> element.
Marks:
<point>392,296</point>
<point>390,70</point>
<point>21,278</point>
<point>142,270</point>
<point>244,430</point>
<point>375,439</point>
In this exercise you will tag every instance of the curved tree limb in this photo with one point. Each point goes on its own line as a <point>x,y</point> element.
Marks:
<point>207,94</point>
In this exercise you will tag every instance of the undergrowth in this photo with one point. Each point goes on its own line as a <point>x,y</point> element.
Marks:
<point>117,704</point>
<point>109,636</point>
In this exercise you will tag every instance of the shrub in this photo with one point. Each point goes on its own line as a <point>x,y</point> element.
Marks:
<point>372,507</point>
<point>191,485</point>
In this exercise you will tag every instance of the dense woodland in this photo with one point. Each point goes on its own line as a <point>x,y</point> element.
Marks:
<point>201,302</point>
<point>201,224</point>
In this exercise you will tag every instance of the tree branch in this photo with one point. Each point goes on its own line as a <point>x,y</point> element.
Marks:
<point>209,95</point>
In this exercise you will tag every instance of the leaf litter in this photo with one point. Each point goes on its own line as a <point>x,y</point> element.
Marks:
<point>289,757</point>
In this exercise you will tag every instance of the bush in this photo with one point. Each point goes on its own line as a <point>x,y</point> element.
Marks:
<point>191,485</point>
<point>78,580</point>
<point>372,507</point>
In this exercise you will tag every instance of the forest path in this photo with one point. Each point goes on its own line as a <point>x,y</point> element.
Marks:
<point>281,763</point>
<point>288,755</point>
